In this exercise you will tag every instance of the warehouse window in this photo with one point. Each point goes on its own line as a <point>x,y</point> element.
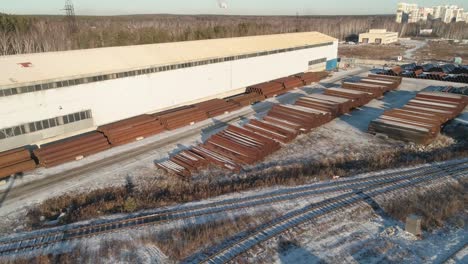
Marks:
<point>317,61</point>
<point>44,86</point>
<point>43,124</point>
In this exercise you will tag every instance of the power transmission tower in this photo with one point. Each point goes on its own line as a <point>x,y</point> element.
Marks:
<point>297,21</point>
<point>70,16</point>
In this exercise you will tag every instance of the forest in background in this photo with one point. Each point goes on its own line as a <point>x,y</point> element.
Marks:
<point>32,34</point>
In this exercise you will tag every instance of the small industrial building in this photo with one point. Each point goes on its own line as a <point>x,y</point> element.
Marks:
<point>49,96</point>
<point>378,36</point>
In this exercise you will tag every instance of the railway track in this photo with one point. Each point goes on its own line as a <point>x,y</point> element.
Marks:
<point>242,243</point>
<point>38,240</point>
<point>451,256</point>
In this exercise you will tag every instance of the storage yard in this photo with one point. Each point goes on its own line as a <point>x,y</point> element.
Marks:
<point>432,71</point>
<point>246,123</point>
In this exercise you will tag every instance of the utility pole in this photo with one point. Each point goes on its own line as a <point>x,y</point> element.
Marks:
<point>70,16</point>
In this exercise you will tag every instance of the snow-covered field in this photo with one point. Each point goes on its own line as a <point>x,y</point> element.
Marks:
<point>356,235</point>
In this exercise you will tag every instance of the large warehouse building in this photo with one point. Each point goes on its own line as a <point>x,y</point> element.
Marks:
<point>48,96</point>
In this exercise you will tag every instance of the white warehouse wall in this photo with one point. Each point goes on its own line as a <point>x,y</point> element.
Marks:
<point>118,99</point>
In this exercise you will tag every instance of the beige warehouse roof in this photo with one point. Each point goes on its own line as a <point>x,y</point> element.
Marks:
<point>92,62</point>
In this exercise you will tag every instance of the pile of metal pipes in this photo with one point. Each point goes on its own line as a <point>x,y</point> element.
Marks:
<point>231,148</point>
<point>358,98</point>
<point>396,79</point>
<point>446,72</point>
<point>216,107</point>
<point>180,117</point>
<point>74,148</point>
<point>336,106</point>
<point>246,99</point>
<point>290,83</point>
<point>308,118</point>
<point>132,129</point>
<point>311,77</point>
<point>267,89</point>
<point>15,161</point>
<point>421,119</point>
<point>377,91</point>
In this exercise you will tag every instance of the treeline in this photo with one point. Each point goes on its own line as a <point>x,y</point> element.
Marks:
<point>30,34</point>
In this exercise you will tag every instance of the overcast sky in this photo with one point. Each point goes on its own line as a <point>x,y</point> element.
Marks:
<point>235,7</point>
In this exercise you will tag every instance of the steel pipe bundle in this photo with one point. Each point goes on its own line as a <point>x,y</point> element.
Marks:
<point>180,117</point>
<point>446,72</point>
<point>15,161</point>
<point>230,148</point>
<point>70,149</point>
<point>396,79</point>
<point>344,105</point>
<point>216,158</point>
<point>358,98</point>
<point>377,91</point>
<point>216,107</point>
<point>420,120</point>
<point>307,117</point>
<point>388,85</point>
<point>273,130</point>
<point>132,129</point>
<point>290,83</point>
<point>246,99</point>
<point>396,71</point>
<point>174,168</point>
<point>460,78</point>
<point>267,89</point>
<point>311,77</point>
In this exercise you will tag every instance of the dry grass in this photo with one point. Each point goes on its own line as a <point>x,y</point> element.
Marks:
<point>442,50</point>
<point>177,244</point>
<point>153,194</point>
<point>435,206</point>
<point>374,52</point>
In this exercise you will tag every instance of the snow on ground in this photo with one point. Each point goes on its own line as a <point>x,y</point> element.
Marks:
<point>349,131</point>
<point>418,44</point>
<point>363,235</point>
<point>134,235</point>
<point>137,167</point>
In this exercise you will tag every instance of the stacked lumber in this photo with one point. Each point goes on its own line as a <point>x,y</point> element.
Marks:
<point>267,89</point>
<point>131,129</point>
<point>180,117</point>
<point>70,149</point>
<point>421,119</point>
<point>246,99</point>
<point>15,161</point>
<point>216,107</point>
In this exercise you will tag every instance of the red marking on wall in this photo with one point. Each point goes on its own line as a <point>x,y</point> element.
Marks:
<point>25,64</point>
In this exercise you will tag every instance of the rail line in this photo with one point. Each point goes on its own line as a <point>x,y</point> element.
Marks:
<point>41,240</point>
<point>242,243</point>
<point>454,253</point>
